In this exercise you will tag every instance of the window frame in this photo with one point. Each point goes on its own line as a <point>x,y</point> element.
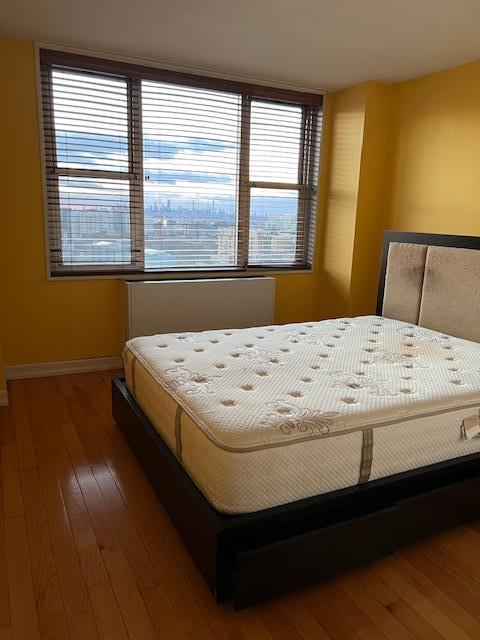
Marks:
<point>311,139</point>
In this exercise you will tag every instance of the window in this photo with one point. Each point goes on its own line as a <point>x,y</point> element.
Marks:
<point>155,171</point>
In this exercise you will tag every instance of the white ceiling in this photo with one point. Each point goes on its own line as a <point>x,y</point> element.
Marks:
<point>318,44</point>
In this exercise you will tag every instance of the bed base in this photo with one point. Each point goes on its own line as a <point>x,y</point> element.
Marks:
<point>251,557</point>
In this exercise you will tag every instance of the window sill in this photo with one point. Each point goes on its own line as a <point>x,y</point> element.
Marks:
<point>184,275</point>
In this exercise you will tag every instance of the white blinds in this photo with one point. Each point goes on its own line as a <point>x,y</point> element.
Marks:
<point>191,147</point>
<point>145,174</point>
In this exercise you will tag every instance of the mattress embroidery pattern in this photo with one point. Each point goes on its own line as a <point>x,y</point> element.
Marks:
<point>375,386</point>
<point>289,418</point>
<point>390,357</point>
<point>189,382</point>
<point>265,357</point>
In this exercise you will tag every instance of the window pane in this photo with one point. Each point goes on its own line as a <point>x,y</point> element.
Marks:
<point>95,221</point>
<point>91,121</point>
<point>275,133</point>
<point>273,226</point>
<point>190,156</point>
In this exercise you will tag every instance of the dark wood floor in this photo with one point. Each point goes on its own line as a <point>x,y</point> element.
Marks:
<point>86,550</point>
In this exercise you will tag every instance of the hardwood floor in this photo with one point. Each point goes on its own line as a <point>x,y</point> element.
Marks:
<point>86,550</point>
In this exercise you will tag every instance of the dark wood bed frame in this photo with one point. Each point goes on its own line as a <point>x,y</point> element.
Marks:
<point>251,557</point>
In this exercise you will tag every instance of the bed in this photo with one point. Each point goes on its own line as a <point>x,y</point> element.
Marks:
<point>305,449</point>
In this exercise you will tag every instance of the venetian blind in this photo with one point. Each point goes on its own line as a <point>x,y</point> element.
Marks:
<point>153,171</point>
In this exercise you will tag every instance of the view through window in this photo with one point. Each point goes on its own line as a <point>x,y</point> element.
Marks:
<point>148,175</point>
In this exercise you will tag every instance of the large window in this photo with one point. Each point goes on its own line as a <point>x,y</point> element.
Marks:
<point>153,171</point>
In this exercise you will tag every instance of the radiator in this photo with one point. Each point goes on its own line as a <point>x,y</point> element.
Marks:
<point>197,305</point>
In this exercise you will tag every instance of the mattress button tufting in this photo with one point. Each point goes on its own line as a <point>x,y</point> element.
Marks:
<point>162,346</point>
<point>247,387</point>
<point>349,400</point>
<point>220,365</point>
<point>296,394</point>
<point>262,373</point>
<point>229,403</point>
<point>179,359</point>
<point>199,349</point>
<point>306,379</point>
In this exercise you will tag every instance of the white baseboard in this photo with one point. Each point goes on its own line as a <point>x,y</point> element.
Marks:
<point>3,398</point>
<point>43,369</point>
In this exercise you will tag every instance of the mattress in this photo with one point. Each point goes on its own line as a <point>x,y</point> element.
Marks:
<point>265,416</point>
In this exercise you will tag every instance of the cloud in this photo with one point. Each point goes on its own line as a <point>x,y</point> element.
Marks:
<point>73,147</point>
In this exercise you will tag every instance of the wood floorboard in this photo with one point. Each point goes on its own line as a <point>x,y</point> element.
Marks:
<point>87,551</point>
<point>50,605</point>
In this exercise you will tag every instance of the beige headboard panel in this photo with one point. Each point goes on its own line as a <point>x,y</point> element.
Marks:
<point>404,281</point>
<point>437,287</point>
<point>451,292</point>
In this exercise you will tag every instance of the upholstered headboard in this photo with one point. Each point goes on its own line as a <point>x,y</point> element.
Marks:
<point>433,281</point>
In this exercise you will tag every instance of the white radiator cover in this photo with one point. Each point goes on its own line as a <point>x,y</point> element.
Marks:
<point>197,305</point>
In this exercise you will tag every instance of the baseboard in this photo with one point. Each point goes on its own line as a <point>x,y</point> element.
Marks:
<point>43,369</point>
<point>3,398</point>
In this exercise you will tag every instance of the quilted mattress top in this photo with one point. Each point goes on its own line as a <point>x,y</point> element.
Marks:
<point>271,386</point>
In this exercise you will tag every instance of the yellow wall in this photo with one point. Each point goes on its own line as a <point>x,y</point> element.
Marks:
<point>355,199</point>
<point>338,231</point>
<point>45,320</point>
<point>435,175</point>
<point>372,194</point>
